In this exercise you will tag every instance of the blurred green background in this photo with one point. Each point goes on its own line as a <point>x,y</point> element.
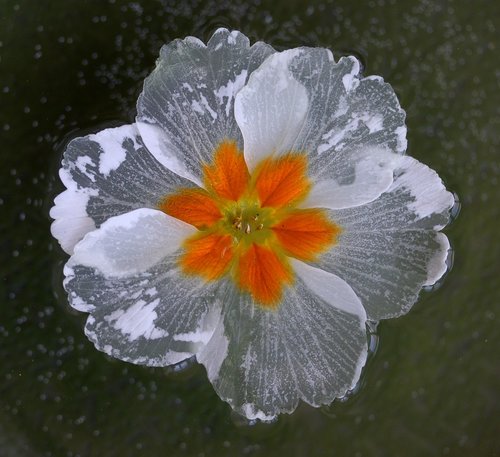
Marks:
<point>432,388</point>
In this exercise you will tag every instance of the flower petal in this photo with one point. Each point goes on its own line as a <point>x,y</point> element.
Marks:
<point>194,206</point>
<point>389,249</point>
<point>350,127</point>
<point>107,174</point>
<point>281,181</point>
<point>132,242</point>
<point>227,175</point>
<point>186,108</point>
<point>271,108</point>
<point>312,347</point>
<point>306,233</point>
<point>71,219</point>
<point>207,255</point>
<point>262,273</point>
<point>371,175</point>
<point>143,309</point>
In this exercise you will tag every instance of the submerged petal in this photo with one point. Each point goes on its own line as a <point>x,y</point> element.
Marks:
<point>389,249</point>
<point>107,174</point>
<point>312,347</point>
<point>350,127</point>
<point>186,108</point>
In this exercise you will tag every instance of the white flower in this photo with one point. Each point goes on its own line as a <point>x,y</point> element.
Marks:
<point>258,213</point>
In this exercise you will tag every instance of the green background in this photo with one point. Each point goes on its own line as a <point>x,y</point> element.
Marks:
<point>432,387</point>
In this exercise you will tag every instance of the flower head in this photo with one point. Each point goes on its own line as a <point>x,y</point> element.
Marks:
<point>250,223</point>
<point>258,213</point>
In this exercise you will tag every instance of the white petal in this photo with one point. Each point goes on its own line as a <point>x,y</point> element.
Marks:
<point>270,110</point>
<point>186,108</point>
<point>131,243</point>
<point>331,289</point>
<point>144,319</point>
<point>371,175</point>
<point>389,249</point>
<point>350,127</point>
<point>71,219</point>
<point>107,174</point>
<point>149,314</point>
<point>430,199</point>
<point>438,263</point>
<point>213,355</point>
<point>160,144</point>
<point>312,347</point>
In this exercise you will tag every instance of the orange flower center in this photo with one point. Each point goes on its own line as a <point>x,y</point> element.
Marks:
<point>249,224</point>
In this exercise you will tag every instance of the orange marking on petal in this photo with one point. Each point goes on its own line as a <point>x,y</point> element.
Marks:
<point>207,255</point>
<point>262,273</point>
<point>306,233</point>
<point>228,175</point>
<point>282,180</point>
<point>193,206</point>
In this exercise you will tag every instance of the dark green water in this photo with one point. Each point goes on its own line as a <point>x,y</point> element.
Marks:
<point>433,386</point>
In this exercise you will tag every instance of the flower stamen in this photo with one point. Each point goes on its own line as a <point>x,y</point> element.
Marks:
<point>249,223</point>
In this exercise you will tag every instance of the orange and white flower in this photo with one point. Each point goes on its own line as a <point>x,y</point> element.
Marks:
<point>256,216</point>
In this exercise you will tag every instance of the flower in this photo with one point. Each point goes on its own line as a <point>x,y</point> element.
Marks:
<point>258,213</point>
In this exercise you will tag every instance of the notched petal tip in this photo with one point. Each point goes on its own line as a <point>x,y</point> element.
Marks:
<point>428,198</point>
<point>229,37</point>
<point>178,45</point>
<point>439,264</point>
<point>221,36</point>
<point>251,412</point>
<point>351,78</point>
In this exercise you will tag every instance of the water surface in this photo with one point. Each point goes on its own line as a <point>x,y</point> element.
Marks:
<point>69,67</point>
